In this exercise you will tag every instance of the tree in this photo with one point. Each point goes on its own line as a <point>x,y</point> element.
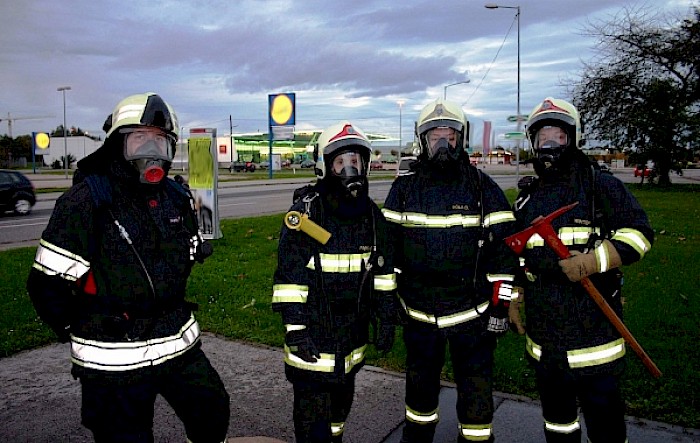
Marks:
<point>643,89</point>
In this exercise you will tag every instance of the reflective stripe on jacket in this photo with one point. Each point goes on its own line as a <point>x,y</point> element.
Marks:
<point>125,356</point>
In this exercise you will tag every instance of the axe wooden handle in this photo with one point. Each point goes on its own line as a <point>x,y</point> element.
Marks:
<point>620,326</point>
<point>554,242</point>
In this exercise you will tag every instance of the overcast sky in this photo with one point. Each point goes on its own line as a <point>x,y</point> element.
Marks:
<point>211,59</point>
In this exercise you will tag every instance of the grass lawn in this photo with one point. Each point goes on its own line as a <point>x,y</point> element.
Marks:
<point>233,289</point>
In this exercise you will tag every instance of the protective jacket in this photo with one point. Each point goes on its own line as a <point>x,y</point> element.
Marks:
<point>564,325</point>
<point>112,270</point>
<point>333,290</point>
<point>448,237</point>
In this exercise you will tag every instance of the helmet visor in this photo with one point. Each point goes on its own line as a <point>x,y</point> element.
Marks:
<point>147,142</point>
<point>347,164</point>
<point>551,137</point>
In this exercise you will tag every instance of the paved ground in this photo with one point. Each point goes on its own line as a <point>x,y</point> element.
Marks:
<point>40,402</point>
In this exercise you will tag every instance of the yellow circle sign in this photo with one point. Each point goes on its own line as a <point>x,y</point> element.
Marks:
<point>282,109</point>
<point>42,140</point>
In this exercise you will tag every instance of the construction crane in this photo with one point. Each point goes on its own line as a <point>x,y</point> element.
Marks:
<point>11,119</point>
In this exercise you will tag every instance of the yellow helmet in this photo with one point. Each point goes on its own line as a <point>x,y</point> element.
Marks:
<point>442,114</point>
<point>147,109</point>
<point>148,129</point>
<point>552,112</point>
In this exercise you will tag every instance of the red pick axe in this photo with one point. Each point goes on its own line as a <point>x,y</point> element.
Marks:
<point>543,226</point>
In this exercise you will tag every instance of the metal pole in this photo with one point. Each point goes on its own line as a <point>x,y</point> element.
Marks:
<point>517,128</point>
<point>444,95</point>
<point>518,116</point>
<point>400,102</point>
<point>63,89</point>
<point>230,128</point>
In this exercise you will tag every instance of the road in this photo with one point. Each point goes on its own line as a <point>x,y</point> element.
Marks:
<point>244,199</point>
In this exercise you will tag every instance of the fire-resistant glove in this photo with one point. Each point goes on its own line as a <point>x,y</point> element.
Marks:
<point>385,338</point>
<point>300,344</point>
<point>599,259</point>
<point>514,315</point>
<point>498,310</point>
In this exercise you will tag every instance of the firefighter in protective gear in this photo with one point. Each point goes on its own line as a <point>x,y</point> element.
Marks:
<point>576,351</point>
<point>329,288</point>
<point>455,279</point>
<point>110,277</point>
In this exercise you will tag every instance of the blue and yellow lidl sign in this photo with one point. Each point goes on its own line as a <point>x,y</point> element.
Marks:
<point>282,109</point>
<point>41,142</point>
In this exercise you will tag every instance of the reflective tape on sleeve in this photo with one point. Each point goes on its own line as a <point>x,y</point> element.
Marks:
<point>52,260</point>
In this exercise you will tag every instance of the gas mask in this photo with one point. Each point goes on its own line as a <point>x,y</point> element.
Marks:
<point>550,143</point>
<point>442,143</point>
<point>348,170</point>
<point>548,154</point>
<point>442,152</point>
<point>150,151</point>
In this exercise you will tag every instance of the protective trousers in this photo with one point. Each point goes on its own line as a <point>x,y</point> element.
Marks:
<point>122,411</point>
<point>472,363</point>
<point>600,399</point>
<point>320,410</point>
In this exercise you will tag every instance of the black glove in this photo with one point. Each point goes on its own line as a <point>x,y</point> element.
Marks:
<point>62,332</point>
<point>385,338</point>
<point>301,345</point>
<point>204,250</point>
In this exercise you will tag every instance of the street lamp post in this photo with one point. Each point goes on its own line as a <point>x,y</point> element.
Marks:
<point>518,116</point>
<point>444,95</point>
<point>400,103</point>
<point>63,89</point>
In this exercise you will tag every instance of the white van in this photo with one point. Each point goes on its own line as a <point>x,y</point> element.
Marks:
<point>405,165</point>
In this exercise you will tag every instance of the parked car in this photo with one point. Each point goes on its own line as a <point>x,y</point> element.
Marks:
<point>375,165</point>
<point>604,168</point>
<point>642,169</point>
<point>264,165</point>
<point>405,165</point>
<point>16,192</point>
<point>308,163</point>
<point>242,167</point>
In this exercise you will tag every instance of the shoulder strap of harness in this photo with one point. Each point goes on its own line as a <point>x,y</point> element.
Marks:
<point>100,190</point>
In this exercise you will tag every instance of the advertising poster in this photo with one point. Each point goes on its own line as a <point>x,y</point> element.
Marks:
<point>203,179</point>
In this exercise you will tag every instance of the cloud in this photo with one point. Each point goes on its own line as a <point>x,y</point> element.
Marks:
<point>212,59</point>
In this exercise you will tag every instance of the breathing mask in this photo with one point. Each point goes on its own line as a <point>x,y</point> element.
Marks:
<point>348,168</point>
<point>150,151</point>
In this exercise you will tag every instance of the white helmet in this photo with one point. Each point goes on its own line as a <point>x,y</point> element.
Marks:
<point>438,118</point>
<point>342,154</point>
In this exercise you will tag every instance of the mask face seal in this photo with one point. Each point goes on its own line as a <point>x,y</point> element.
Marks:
<point>150,151</point>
